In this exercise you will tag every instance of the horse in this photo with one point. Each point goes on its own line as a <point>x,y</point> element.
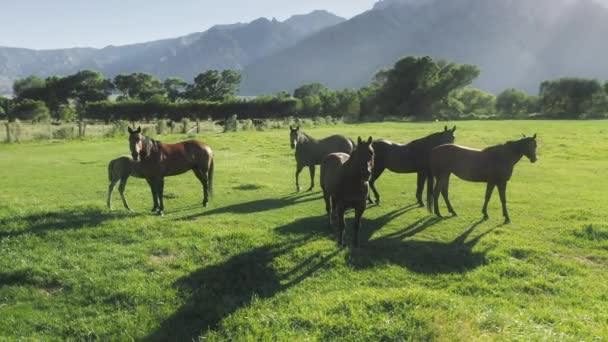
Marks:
<point>494,166</point>
<point>310,152</point>
<point>345,180</point>
<point>409,158</point>
<point>120,169</point>
<point>159,160</point>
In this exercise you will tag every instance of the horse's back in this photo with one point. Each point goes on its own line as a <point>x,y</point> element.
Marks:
<point>337,143</point>
<point>467,163</point>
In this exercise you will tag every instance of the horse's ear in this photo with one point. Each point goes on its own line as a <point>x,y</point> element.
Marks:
<point>138,129</point>
<point>534,137</point>
<point>446,128</point>
<point>130,130</point>
<point>359,141</point>
<point>523,135</point>
<point>297,127</point>
<point>369,140</point>
<point>454,129</point>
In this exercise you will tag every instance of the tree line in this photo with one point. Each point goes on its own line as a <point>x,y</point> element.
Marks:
<point>417,87</point>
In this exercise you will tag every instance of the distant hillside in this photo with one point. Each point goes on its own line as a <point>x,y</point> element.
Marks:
<point>221,47</point>
<point>517,43</point>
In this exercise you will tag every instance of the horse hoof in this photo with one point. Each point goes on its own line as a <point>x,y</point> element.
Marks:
<point>161,213</point>
<point>486,217</point>
<point>507,221</point>
<point>420,204</point>
<point>204,205</point>
<point>454,214</point>
<point>309,190</point>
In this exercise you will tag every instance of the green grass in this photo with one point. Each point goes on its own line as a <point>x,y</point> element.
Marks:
<point>259,263</point>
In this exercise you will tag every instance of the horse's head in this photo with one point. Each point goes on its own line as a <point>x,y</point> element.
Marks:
<point>136,143</point>
<point>528,146</point>
<point>447,136</point>
<point>293,136</point>
<point>363,156</point>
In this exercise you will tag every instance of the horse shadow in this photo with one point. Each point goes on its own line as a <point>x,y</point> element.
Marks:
<point>215,292</point>
<point>41,223</point>
<point>426,257</point>
<point>257,206</point>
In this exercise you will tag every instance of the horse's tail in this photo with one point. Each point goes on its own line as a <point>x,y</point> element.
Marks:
<point>110,168</point>
<point>210,176</point>
<point>429,190</point>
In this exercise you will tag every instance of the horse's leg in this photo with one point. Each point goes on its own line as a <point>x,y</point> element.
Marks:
<point>298,170</point>
<point>341,225</point>
<point>502,190</point>
<point>436,191</point>
<point>376,173</point>
<point>446,197</point>
<point>489,190</point>
<point>160,189</point>
<point>204,178</point>
<point>121,189</point>
<point>152,185</point>
<point>110,189</point>
<point>327,199</point>
<point>358,214</point>
<point>420,188</point>
<point>311,168</point>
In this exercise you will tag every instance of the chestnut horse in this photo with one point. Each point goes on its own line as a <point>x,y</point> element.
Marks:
<point>160,160</point>
<point>344,180</point>
<point>310,151</point>
<point>494,166</point>
<point>408,158</point>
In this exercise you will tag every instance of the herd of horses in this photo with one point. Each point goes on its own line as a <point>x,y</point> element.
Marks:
<point>348,169</point>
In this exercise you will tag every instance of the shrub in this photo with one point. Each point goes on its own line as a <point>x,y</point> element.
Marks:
<point>65,133</point>
<point>185,125</point>
<point>231,124</point>
<point>161,127</point>
<point>67,114</point>
<point>118,128</point>
<point>40,136</point>
<point>32,110</point>
<point>248,125</point>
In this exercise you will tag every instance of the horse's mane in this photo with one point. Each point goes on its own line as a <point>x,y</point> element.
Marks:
<point>514,145</point>
<point>308,137</point>
<point>151,145</point>
<point>424,140</point>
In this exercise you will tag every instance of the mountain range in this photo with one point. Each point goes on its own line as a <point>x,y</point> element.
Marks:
<point>516,43</point>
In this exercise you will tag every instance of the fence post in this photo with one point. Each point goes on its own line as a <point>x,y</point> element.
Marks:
<point>198,126</point>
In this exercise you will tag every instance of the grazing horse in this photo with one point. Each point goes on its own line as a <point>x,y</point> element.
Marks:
<point>409,158</point>
<point>310,152</point>
<point>160,160</point>
<point>120,169</point>
<point>494,166</point>
<point>344,180</point>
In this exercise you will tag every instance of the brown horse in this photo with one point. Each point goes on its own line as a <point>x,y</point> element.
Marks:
<point>494,166</point>
<point>409,158</point>
<point>120,169</point>
<point>344,180</point>
<point>160,160</point>
<point>310,151</point>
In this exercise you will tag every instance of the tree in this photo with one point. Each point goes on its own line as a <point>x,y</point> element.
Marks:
<point>213,85</point>
<point>311,89</point>
<point>66,113</point>
<point>415,84</point>
<point>5,108</point>
<point>349,105</point>
<point>31,87</point>
<point>175,88</point>
<point>476,101</point>
<point>31,110</point>
<point>88,86</point>
<point>512,103</point>
<point>311,106</point>
<point>569,96</point>
<point>138,85</point>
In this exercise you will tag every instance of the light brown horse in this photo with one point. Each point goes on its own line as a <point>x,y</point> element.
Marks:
<point>310,151</point>
<point>160,160</point>
<point>120,169</point>
<point>494,166</point>
<point>345,183</point>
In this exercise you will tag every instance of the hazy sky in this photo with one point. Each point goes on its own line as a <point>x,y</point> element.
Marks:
<point>44,24</point>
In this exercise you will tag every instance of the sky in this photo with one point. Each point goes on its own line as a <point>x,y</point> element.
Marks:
<point>52,24</point>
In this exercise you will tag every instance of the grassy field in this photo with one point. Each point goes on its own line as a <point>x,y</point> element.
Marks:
<point>259,263</point>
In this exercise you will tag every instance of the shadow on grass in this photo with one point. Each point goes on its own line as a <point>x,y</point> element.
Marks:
<point>258,205</point>
<point>215,292</point>
<point>428,257</point>
<point>29,277</point>
<point>41,223</point>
